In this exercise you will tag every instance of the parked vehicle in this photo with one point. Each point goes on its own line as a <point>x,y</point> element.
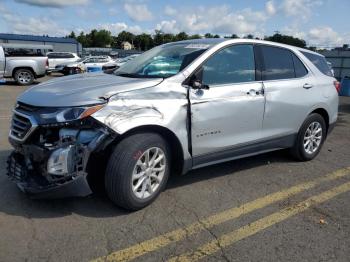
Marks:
<point>23,63</point>
<point>56,58</point>
<point>110,67</point>
<point>88,64</point>
<point>177,107</point>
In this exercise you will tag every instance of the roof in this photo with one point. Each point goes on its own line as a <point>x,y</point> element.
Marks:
<point>216,41</point>
<point>38,38</point>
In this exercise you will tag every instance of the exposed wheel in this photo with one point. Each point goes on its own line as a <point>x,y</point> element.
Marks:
<point>24,77</point>
<point>310,138</point>
<point>137,170</point>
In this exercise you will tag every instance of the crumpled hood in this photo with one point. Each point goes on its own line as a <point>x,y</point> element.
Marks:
<point>83,89</point>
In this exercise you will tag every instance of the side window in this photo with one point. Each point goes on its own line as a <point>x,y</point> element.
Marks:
<point>299,67</point>
<point>234,64</point>
<point>278,63</point>
<point>320,62</point>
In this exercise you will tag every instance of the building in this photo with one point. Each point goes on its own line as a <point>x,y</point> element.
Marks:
<point>340,60</point>
<point>126,46</point>
<point>59,44</point>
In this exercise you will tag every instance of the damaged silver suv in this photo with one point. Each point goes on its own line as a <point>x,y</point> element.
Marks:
<point>177,107</point>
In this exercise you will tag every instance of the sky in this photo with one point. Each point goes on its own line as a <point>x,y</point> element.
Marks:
<point>321,23</point>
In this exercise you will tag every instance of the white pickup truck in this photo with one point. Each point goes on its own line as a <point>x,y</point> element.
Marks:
<point>23,63</point>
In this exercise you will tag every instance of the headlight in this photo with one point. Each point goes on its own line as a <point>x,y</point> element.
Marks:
<point>69,114</point>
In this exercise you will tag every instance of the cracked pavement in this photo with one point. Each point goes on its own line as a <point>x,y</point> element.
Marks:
<point>82,229</point>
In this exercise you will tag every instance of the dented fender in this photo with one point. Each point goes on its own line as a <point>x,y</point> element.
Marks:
<point>163,106</point>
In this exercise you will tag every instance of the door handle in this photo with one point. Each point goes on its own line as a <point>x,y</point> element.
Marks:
<point>307,86</point>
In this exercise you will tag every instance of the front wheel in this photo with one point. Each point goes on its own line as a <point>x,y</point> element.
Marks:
<point>137,170</point>
<point>310,138</point>
<point>24,77</point>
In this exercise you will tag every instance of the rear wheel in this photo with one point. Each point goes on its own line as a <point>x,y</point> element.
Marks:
<point>24,77</point>
<point>310,138</point>
<point>138,170</point>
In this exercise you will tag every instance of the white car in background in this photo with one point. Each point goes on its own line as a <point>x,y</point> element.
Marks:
<point>87,64</point>
<point>110,67</point>
<point>56,58</point>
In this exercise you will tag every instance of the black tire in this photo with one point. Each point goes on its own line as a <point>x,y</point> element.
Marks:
<point>298,150</point>
<point>118,179</point>
<point>24,77</point>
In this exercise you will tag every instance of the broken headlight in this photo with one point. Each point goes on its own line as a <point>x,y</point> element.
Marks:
<point>69,114</point>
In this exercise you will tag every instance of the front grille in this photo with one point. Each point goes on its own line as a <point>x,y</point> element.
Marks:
<point>22,107</point>
<point>21,126</point>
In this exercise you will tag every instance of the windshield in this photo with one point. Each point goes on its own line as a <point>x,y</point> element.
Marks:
<point>162,61</point>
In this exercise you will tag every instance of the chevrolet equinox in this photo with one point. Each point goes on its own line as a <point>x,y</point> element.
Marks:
<point>176,107</point>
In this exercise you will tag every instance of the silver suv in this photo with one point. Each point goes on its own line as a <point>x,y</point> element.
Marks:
<point>177,107</point>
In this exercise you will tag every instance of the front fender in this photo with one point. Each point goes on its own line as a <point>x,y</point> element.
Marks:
<point>166,108</point>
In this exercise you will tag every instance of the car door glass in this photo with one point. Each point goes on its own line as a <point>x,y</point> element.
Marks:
<point>234,64</point>
<point>278,63</point>
<point>300,69</point>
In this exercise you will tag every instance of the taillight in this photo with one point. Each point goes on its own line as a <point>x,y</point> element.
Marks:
<point>47,62</point>
<point>337,85</point>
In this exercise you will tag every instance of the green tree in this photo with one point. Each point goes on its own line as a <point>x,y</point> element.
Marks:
<point>286,39</point>
<point>101,38</point>
<point>72,35</point>
<point>123,36</point>
<point>143,42</point>
<point>84,40</point>
<point>181,36</point>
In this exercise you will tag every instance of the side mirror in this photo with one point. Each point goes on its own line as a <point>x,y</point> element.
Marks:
<point>196,80</point>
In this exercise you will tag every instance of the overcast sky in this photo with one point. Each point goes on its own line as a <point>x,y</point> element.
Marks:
<point>320,22</point>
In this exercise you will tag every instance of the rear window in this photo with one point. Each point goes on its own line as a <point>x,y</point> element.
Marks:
<point>21,52</point>
<point>320,62</point>
<point>60,55</point>
<point>278,63</point>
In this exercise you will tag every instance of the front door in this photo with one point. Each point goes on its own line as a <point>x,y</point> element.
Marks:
<point>230,113</point>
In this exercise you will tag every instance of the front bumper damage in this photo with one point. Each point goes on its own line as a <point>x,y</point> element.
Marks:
<point>57,169</point>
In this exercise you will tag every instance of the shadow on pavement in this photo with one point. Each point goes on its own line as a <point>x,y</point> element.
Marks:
<point>14,202</point>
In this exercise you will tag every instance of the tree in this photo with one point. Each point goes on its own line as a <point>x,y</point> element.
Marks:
<point>72,35</point>
<point>143,42</point>
<point>286,39</point>
<point>84,40</point>
<point>101,38</point>
<point>123,36</point>
<point>195,36</point>
<point>181,36</point>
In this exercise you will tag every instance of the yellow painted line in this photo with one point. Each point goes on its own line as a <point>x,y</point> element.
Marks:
<point>259,225</point>
<point>161,241</point>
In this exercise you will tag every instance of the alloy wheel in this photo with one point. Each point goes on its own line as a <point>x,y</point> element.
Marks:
<point>148,173</point>
<point>313,137</point>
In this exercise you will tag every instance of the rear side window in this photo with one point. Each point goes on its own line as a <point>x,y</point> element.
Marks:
<point>278,63</point>
<point>320,62</point>
<point>22,52</point>
<point>60,55</point>
<point>299,67</point>
<point>234,64</point>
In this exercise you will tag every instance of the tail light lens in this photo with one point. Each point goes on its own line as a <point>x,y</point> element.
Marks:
<point>337,85</point>
<point>47,62</point>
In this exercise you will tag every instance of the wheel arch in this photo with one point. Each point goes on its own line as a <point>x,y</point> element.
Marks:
<point>323,112</point>
<point>177,152</point>
<point>23,67</point>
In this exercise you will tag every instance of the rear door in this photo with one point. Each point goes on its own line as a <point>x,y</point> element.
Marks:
<point>230,113</point>
<point>289,91</point>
